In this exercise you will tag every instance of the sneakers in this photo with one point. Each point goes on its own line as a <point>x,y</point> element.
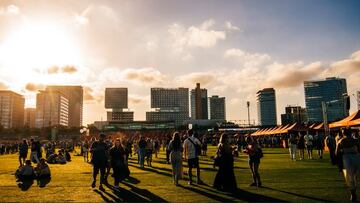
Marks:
<point>190,183</point>
<point>93,185</point>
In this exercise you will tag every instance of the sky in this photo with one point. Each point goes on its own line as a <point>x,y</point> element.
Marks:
<point>233,48</point>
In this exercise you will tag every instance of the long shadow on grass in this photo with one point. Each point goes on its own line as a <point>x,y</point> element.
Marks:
<point>243,195</point>
<point>298,195</point>
<point>135,194</point>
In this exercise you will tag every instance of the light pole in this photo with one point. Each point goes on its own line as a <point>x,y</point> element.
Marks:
<point>248,108</point>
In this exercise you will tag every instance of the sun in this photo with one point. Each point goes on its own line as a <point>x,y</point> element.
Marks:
<point>36,47</point>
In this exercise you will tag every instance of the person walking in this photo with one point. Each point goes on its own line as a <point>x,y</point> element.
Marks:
<point>309,144</point>
<point>319,144</point>
<point>292,142</point>
<point>176,150</point>
<point>349,149</point>
<point>34,157</point>
<point>225,176</point>
<point>331,145</point>
<point>254,152</point>
<point>23,151</point>
<point>192,150</point>
<point>142,151</point>
<point>85,150</point>
<point>99,151</point>
<point>118,162</point>
<point>301,146</point>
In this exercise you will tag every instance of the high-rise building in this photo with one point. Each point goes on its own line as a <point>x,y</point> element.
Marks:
<point>266,104</point>
<point>294,114</point>
<point>116,99</point>
<point>52,109</point>
<point>358,99</point>
<point>217,108</point>
<point>333,92</point>
<point>199,103</point>
<point>75,96</point>
<point>11,109</point>
<point>169,104</point>
<point>29,117</point>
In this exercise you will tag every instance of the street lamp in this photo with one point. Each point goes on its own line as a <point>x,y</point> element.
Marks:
<point>248,108</point>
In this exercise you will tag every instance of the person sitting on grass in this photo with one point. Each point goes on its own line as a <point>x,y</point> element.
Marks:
<point>25,173</point>
<point>67,156</point>
<point>42,170</point>
<point>61,159</point>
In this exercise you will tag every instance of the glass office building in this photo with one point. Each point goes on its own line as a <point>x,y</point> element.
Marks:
<point>333,92</point>
<point>266,103</point>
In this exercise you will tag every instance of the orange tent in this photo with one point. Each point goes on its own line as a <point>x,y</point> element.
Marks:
<point>278,131</point>
<point>355,122</point>
<point>319,127</point>
<point>285,130</point>
<point>346,121</point>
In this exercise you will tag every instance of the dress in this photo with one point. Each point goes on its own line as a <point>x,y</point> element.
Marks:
<point>176,161</point>
<point>225,177</point>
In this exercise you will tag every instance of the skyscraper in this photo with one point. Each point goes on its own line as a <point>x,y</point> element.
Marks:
<point>333,92</point>
<point>52,109</point>
<point>294,114</point>
<point>266,103</point>
<point>75,96</point>
<point>217,107</point>
<point>199,103</point>
<point>116,99</point>
<point>29,117</point>
<point>169,104</point>
<point>11,109</point>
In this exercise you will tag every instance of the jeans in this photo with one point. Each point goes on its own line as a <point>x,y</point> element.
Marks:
<point>351,169</point>
<point>292,149</point>
<point>34,156</point>
<point>142,152</point>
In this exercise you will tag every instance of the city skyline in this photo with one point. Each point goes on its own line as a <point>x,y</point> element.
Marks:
<point>234,52</point>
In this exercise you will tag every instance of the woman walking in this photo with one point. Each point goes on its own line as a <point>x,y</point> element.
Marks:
<point>118,162</point>
<point>225,177</point>
<point>255,154</point>
<point>176,150</point>
<point>349,149</point>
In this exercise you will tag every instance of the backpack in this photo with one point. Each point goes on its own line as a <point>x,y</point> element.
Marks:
<point>197,147</point>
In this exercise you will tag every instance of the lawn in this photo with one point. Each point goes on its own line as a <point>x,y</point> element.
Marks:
<point>283,180</point>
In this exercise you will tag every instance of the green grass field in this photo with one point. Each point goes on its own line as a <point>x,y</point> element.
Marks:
<point>283,180</point>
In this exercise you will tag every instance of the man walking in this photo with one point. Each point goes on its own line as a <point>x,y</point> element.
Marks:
<point>99,150</point>
<point>192,150</point>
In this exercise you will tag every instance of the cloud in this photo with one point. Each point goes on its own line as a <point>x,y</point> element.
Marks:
<point>3,86</point>
<point>88,94</point>
<point>347,66</point>
<point>293,75</point>
<point>231,27</point>
<point>69,69</point>
<point>246,58</point>
<point>65,69</point>
<point>53,70</point>
<point>31,87</point>
<point>144,76</point>
<point>187,57</point>
<point>204,78</point>
<point>93,12</point>
<point>202,36</point>
<point>135,99</point>
<point>10,10</point>
<point>235,101</point>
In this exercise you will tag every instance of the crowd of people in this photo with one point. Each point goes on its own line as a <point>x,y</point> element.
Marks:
<point>107,153</point>
<point>179,147</point>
